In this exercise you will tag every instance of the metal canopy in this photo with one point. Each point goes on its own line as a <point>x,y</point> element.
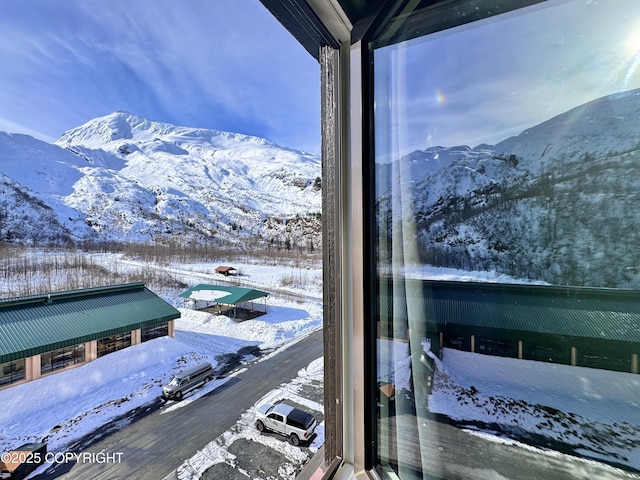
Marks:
<point>222,294</point>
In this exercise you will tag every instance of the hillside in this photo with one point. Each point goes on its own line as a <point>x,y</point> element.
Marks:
<point>125,178</point>
<point>557,203</point>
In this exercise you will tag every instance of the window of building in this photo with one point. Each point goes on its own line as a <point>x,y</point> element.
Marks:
<point>11,372</point>
<point>155,331</point>
<point>505,151</point>
<point>61,358</point>
<point>113,343</point>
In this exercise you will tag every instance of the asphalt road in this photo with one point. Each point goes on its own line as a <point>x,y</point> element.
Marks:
<point>154,445</point>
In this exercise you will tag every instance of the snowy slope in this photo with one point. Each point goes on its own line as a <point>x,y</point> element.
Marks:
<point>123,177</point>
<point>35,176</point>
<point>600,128</point>
<point>244,170</point>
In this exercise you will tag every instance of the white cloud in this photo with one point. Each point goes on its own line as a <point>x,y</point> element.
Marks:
<point>224,65</point>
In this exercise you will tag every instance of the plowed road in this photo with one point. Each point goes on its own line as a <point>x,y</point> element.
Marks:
<point>154,445</point>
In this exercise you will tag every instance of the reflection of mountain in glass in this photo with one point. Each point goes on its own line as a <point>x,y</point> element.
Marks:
<point>558,203</point>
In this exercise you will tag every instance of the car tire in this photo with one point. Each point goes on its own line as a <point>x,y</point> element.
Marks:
<point>178,395</point>
<point>260,426</point>
<point>294,440</point>
<point>207,379</point>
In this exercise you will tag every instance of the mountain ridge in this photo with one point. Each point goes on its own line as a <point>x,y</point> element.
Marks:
<point>556,203</point>
<point>122,177</point>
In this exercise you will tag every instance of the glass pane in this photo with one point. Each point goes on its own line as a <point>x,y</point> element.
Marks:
<point>149,333</point>
<point>113,344</point>
<point>507,159</point>
<point>12,372</point>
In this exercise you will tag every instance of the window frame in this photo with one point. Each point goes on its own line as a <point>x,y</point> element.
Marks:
<point>378,37</point>
<point>350,31</point>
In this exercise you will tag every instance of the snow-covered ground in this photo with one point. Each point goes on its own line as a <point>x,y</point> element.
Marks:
<point>595,412</point>
<point>63,407</point>
<point>296,278</point>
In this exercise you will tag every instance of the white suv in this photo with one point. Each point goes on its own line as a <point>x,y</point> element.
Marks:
<point>286,420</point>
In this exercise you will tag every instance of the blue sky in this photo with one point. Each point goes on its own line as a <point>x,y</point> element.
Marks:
<point>225,65</point>
<point>494,79</point>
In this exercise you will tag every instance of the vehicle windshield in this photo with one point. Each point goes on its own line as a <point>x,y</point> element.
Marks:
<point>174,382</point>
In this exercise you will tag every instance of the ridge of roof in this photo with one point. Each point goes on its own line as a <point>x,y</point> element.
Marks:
<point>81,292</point>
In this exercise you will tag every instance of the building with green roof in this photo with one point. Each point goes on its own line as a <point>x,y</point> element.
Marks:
<point>40,334</point>
<point>589,327</point>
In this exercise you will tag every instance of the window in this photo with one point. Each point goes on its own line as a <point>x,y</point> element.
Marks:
<point>11,372</point>
<point>275,416</point>
<point>61,358</point>
<point>113,343</point>
<point>503,224</point>
<point>155,331</point>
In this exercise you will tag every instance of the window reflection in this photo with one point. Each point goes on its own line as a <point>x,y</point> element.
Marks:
<point>113,344</point>
<point>61,358</point>
<point>155,331</point>
<point>507,163</point>
<point>11,372</point>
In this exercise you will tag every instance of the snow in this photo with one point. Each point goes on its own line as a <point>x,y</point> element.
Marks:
<point>590,393</point>
<point>208,295</point>
<point>591,411</point>
<point>540,398</point>
<point>594,411</point>
<point>217,450</point>
<point>221,334</point>
<point>429,272</point>
<point>63,407</point>
<point>125,176</point>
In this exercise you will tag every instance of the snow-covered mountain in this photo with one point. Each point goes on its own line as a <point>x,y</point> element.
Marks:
<point>125,178</point>
<point>558,203</point>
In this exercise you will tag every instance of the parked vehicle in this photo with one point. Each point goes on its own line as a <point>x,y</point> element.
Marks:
<point>187,380</point>
<point>19,463</point>
<point>286,420</point>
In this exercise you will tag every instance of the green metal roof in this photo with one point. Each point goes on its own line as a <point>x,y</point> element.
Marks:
<point>226,295</point>
<point>41,323</point>
<point>594,313</point>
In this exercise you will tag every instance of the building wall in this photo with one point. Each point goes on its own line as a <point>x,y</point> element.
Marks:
<point>33,364</point>
<point>32,368</point>
<point>583,352</point>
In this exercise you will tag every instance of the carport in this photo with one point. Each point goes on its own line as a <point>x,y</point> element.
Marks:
<point>235,302</point>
